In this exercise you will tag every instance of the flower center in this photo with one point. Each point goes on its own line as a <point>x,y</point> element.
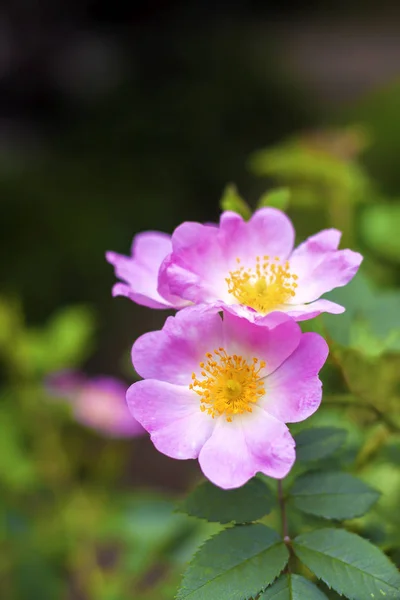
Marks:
<point>229,384</point>
<point>264,288</point>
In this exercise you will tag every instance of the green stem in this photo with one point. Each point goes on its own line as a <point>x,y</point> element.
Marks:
<point>282,506</point>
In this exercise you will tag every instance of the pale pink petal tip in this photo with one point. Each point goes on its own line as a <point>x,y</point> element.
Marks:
<point>139,272</point>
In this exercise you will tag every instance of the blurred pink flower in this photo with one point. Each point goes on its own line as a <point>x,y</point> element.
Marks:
<point>98,402</point>
<point>221,390</point>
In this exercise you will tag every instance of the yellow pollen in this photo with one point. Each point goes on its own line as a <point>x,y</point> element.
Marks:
<point>264,288</point>
<point>229,385</point>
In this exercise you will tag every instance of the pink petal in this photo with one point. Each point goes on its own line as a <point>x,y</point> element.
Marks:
<point>301,312</point>
<point>140,271</point>
<point>254,443</point>
<point>320,269</point>
<point>123,289</point>
<point>272,338</point>
<point>197,268</point>
<point>323,241</point>
<point>176,279</point>
<point>294,391</point>
<point>151,247</point>
<point>270,442</point>
<point>269,232</point>
<point>176,351</point>
<point>172,416</point>
<point>242,311</point>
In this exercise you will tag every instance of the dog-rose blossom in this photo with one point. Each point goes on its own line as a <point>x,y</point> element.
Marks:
<point>140,271</point>
<point>98,402</point>
<point>221,390</point>
<point>252,268</point>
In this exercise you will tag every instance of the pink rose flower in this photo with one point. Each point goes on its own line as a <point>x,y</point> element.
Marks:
<point>98,403</point>
<point>140,271</point>
<point>222,389</point>
<point>252,269</point>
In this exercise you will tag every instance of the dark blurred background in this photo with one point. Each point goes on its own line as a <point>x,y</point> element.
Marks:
<point>115,119</point>
<point>121,117</point>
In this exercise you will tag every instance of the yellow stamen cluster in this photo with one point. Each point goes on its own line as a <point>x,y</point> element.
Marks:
<point>267,287</point>
<point>230,385</point>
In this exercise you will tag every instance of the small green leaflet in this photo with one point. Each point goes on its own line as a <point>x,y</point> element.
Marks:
<point>314,444</point>
<point>332,495</point>
<point>277,198</point>
<point>232,201</point>
<point>292,587</point>
<point>236,564</point>
<point>349,564</point>
<point>243,505</point>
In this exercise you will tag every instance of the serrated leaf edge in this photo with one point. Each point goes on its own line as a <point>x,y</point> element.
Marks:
<point>330,586</point>
<point>290,575</point>
<point>369,490</point>
<point>179,508</point>
<point>279,541</point>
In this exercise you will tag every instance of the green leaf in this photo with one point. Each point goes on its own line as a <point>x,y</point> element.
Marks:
<point>36,577</point>
<point>332,495</point>
<point>242,505</point>
<point>232,201</point>
<point>320,442</point>
<point>235,564</point>
<point>349,564</point>
<point>278,198</point>
<point>292,587</point>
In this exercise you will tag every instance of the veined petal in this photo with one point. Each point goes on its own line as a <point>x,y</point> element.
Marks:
<point>254,443</point>
<point>123,289</point>
<point>272,339</point>
<point>197,267</point>
<point>140,271</point>
<point>302,312</point>
<point>321,271</point>
<point>175,278</point>
<point>151,247</point>
<point>268,232</point>
<point>294,390</point>
<point>175,352</point>
<point>270,442</point>
<point>323,241</point>
<point>172,416</point>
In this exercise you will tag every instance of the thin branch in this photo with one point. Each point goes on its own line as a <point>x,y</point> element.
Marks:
<point>282,506</point>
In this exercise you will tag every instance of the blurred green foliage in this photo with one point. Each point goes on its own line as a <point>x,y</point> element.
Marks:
<point>69,525</point>
<point>329,185</point>
<point>72,523</point>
